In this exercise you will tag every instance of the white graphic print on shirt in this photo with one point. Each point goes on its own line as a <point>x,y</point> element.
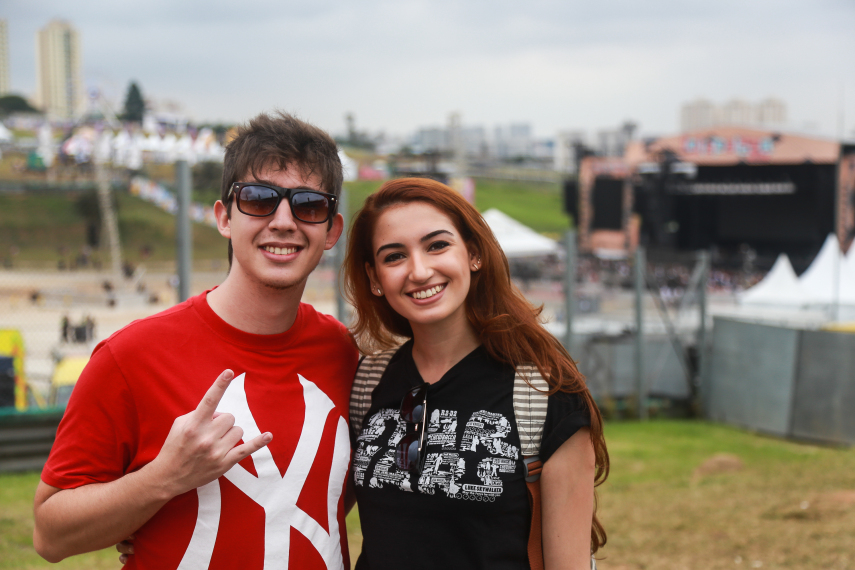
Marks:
<point>488,471</point>
<point>361,459</point>
<point>477,432</point>
<point>442,429</point>
<point>442,471</point>
<point>276,493</point>
<point>386,472</point>
<point>373,429</point>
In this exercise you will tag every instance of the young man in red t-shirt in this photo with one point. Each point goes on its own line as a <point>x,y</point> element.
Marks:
<point>248,472</point>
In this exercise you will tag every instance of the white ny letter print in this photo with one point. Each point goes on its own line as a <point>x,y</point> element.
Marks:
<point>276,494</point>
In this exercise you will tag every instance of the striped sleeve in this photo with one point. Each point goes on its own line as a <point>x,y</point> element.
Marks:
<point>530,402</point>
<point>368,375</point>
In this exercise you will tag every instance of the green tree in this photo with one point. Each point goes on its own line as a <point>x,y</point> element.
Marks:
<point>15,104</point>
<point>134,104</point>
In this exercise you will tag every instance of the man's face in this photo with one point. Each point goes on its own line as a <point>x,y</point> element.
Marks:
<point>277,251</point>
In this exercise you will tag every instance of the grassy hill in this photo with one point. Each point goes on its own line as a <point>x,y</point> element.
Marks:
<point>40,228</point>
<point>45,227</point>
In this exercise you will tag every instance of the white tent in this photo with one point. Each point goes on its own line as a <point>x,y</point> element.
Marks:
<point>818,280</point>
<point>516,239</point>
<point>5,134</point>
<point>348,166</point>
<point>780,287</point>
<point>103,147</point>
<point>184,149</point>
<point>847,278</point>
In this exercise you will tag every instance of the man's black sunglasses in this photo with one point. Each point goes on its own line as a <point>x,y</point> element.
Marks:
<point>409,453</point>
<point>259,200</point>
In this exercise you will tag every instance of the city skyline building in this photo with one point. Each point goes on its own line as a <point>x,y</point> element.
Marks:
<point>5,82</point>
<point>700,114</point>
<point>59,78</point>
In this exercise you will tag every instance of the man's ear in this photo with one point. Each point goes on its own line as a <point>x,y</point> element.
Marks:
<point>221,212</point>
<point>334,232</point>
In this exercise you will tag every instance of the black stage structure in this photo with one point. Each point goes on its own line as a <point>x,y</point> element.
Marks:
<point>731,190</point>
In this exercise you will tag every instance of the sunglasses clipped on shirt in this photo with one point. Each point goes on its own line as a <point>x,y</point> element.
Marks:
<point>260,200</point>
<point>409,453</point>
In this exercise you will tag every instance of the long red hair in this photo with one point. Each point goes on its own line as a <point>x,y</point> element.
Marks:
<point>507,324</point>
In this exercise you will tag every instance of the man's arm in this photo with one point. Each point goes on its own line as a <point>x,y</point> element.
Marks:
<point>200,447</point>
<point>567,497</point>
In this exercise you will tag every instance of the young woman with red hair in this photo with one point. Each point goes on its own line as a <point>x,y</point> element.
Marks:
<point>438,470</point>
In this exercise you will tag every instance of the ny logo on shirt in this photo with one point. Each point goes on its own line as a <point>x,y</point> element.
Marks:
<point>275,493</point>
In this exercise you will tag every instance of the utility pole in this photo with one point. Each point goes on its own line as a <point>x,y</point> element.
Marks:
<point>640,287</point>
<point>701,382</point>
<point>184,237</point>
<point>569,286</point>
<point>108,216</point>
<point>340,249</point>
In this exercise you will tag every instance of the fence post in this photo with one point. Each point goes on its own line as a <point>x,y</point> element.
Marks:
<point>108,217</point>
<point>340,250</point>
<point>701,384</point>
<point>569,286</point>
<point>640,271</point>
<point>184,239</point>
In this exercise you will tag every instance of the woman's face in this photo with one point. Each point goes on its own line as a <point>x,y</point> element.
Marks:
<point>421,264</point>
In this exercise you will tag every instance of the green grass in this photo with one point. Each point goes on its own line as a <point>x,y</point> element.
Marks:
<point>658,510</point>
<point>144,224</point>
<point>16,531</point>
<point>661,513</point>
<point>535,204</point>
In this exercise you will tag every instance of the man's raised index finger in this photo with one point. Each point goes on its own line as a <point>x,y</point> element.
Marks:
<point>208,405</point>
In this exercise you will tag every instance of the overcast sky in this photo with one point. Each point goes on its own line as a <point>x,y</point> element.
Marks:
<point>401,64</point>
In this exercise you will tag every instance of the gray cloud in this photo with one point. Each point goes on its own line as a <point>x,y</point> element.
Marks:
<point>400,64</point>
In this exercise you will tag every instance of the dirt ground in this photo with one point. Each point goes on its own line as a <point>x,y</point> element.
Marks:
<point>34,302</point>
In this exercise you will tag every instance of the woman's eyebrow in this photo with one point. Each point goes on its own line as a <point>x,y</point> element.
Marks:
<point>434,234</point>
<point>422,240</point>
<point>388,246</point>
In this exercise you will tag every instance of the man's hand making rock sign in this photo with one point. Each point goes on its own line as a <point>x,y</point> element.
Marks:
<point>200,447</point>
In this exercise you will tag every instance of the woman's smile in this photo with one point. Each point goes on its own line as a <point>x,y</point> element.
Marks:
<point>428,293</point>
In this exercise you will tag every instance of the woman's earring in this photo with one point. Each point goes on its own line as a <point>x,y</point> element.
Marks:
<point>379,292</point>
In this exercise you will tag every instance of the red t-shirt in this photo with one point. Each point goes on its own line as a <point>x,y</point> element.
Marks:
<point>284,506</point>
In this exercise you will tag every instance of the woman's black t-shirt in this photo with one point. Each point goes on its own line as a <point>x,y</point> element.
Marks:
<point>469,507</point>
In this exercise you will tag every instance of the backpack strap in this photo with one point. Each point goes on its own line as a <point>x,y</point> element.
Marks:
<point>530,401</point>
<point>368,373</point>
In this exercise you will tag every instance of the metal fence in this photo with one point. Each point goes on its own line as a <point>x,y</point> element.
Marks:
<point>608,362</point>
<point>783,381</point>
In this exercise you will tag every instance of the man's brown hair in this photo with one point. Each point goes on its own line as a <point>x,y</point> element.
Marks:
<point>282,141</point>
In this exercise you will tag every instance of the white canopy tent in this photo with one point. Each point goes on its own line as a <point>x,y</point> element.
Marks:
<point>780,286</point>
<point>5,134</point>
<point>348,166</point>
<point>516,239</point>
<point>847,278</point>
<point>818,281</point>
<point>830,280</point>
